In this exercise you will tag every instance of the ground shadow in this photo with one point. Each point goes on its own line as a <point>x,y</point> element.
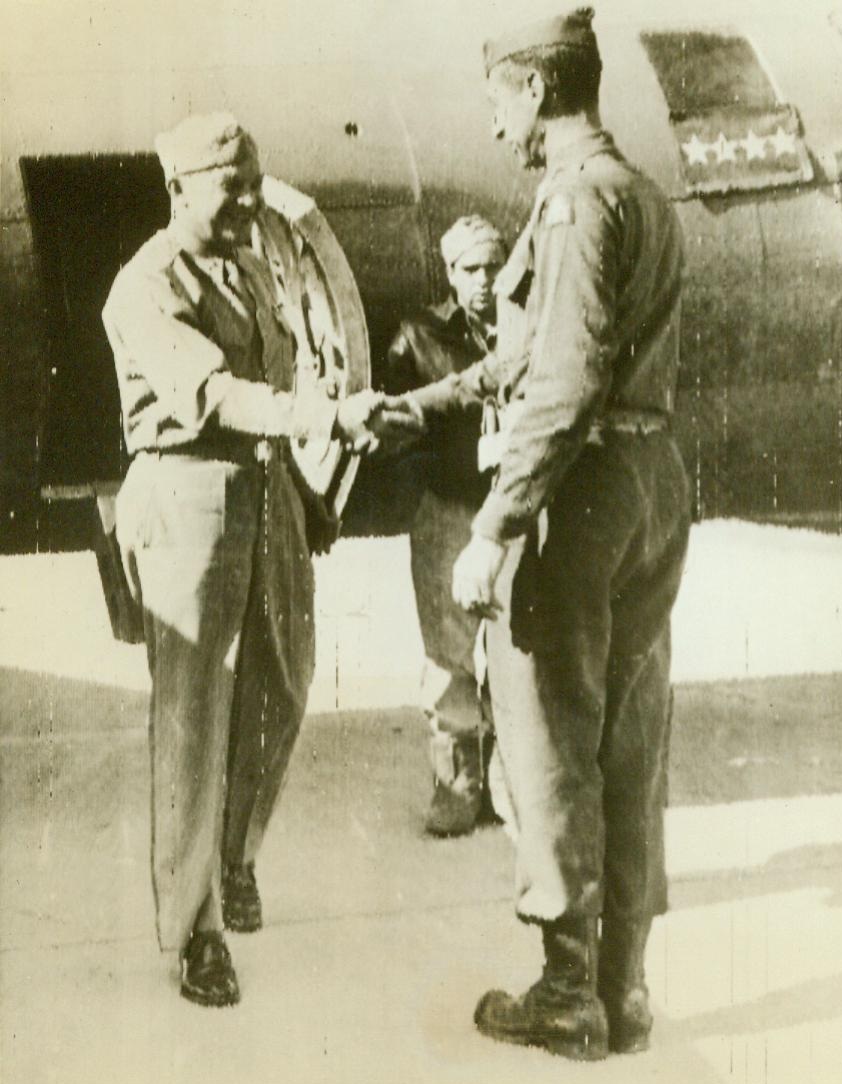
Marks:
<point>816,866</point>
<point>805,1003</point>
<point>761,738</point>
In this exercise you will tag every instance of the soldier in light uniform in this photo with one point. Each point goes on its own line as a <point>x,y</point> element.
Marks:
<point>577,551</point>
<point>445,339</point>
<point>212,528</point>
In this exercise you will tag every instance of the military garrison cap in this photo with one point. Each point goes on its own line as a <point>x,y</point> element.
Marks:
<point>574,29</point>
<point>466,234</point>
<point>204,141</point>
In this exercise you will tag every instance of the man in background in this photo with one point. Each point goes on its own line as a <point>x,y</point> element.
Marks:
<point>444,339</point>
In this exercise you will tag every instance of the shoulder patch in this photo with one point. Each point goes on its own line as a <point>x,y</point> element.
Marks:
<point>559,211</point>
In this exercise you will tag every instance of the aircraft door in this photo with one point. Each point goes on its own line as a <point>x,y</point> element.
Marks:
<point>312,273</point>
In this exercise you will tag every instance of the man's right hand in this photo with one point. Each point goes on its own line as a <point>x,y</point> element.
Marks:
<point>352,418</point>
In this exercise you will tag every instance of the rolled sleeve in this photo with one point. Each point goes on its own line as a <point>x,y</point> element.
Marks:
<point>155,339</point>
<point>570,365</point>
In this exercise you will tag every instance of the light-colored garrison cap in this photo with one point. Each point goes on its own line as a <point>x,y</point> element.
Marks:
<point>465,234</point>
<point>204,141</point>
<point>573,28</point>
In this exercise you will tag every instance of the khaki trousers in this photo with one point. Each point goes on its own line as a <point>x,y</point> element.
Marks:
<point>216,554</point>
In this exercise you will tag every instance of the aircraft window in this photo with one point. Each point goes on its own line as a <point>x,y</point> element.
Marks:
<point>732,132</point>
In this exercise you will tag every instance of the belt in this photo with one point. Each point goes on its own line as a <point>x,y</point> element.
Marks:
<point>240,449</point>
<point>638,423</point>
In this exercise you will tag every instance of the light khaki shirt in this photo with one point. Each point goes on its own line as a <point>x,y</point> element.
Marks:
<point>183,327</point>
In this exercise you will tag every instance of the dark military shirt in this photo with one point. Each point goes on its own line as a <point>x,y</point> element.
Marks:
<point>439,342</point>
<point>597,276</point>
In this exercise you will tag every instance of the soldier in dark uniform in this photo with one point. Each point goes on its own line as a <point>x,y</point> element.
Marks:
<point>444,339</point>
<point>212,528</point>
<point>578,549</point>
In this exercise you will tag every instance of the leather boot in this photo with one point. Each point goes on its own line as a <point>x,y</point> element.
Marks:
<point>561,1012</point>
<point>622,983</point>
<point>457,784</point>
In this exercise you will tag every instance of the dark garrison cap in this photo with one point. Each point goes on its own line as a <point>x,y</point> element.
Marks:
<point>573,29</point>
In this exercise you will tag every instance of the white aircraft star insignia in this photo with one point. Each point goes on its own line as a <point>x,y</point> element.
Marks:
<point>696,151</point>
<point>726,151</point>
<point>754,145</point>
<point>783,142</point>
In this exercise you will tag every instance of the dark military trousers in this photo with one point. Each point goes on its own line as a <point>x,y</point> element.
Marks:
<point>579,665</point>
<point>216,553</point>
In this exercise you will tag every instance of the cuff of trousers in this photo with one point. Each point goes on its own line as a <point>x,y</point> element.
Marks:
<point>539,906</point>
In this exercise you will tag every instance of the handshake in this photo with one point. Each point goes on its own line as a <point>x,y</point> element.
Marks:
<point>368,419</point>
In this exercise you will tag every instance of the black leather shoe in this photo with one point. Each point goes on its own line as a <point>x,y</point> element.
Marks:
<point>207,974</point>
<point>571,1025</point>
<point>241,908</point>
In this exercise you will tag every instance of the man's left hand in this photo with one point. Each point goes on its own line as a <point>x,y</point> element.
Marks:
<point>475,575</point>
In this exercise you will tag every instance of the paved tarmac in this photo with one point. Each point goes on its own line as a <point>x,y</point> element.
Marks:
<point>378,941</point>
